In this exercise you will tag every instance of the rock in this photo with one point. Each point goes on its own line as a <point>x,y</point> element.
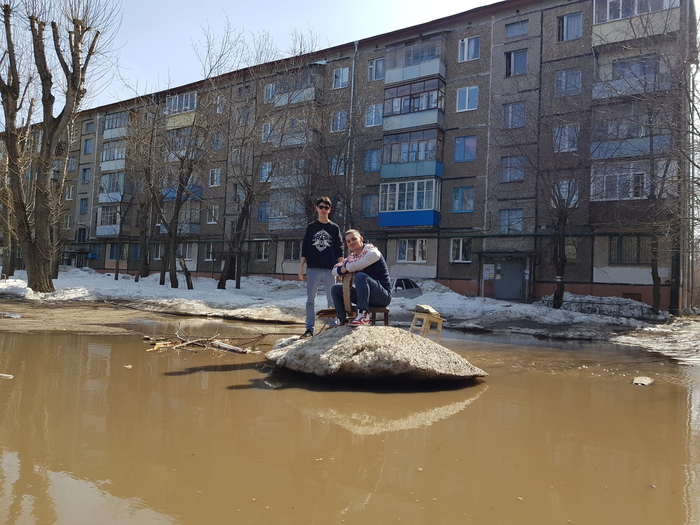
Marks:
<point>642,381</point>
<point>372,352</point>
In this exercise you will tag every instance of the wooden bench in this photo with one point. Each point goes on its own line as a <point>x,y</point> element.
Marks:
<point>349,312</point>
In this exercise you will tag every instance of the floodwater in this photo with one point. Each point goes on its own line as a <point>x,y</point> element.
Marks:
<point>98,430</point>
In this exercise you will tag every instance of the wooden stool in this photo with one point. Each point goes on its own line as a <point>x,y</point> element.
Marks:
<point>349,312</point>
<point>427,321</point>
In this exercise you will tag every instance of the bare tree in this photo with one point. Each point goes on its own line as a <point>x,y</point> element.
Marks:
<point>77,30</point>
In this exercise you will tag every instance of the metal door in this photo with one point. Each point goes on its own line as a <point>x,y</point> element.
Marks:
<point>509,280</point>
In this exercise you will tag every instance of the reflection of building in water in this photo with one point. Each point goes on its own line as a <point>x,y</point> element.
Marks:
<point>692,495</point>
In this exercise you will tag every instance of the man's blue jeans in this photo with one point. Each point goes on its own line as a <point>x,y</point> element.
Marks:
<point>314,277</point>
<point>364,292</point>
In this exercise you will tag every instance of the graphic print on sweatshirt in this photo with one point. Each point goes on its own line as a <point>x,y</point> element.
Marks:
<point>322,240</point>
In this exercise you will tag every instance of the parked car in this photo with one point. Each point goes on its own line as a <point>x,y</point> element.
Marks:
<point>405,287</point>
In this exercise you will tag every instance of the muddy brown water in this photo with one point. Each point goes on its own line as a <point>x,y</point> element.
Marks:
<point>94,429</point>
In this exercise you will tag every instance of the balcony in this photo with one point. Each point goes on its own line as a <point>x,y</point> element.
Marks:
<point>113,165</point>
<point>412,72</point>
<point>295,97</point>
<point>184,228</point>
<point>430,117</point>
<point>409,218</point>
<point>107,230</point>
<point>287,222</point>
<point>423,168</point>
<point>630,86</point>
<point>644,25</point>
<point>633,147</point>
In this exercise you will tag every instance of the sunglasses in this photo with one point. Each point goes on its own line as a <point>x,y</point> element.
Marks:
<point>323,207</point>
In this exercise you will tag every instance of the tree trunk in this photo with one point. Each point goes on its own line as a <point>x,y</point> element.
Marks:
<point>221,285</point>
<point>186,272</point>
<point>38,267</point>
<point>655,278</point>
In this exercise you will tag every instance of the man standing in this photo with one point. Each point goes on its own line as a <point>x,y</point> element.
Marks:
<point>371,287</point>
<point>321,249</point>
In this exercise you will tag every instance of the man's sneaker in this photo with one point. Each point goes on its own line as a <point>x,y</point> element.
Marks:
<point>307,334</point>
<point>362,319</point>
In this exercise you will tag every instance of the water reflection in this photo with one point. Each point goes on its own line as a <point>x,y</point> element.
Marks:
<point>550,436</point>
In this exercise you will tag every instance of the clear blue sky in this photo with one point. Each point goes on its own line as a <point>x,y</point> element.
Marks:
<point>154,43</point>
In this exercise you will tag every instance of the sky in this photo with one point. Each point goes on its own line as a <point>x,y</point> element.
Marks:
<point>153,45</point>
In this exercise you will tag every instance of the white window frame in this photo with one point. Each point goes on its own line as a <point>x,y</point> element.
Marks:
<point>468,98</point>
<point>565,194</point>
<point>116,120</point>
<point>209,252</point>
<point>70,190</point>
<point>265,171</point>
<point>67,221</point>
<point>341,77</point>
<point>415,195</point>
<point>518,28</point>
<point>510,220</point>
<point>337,165</point>
<point>185,249</point>
<point>469,49</point>
<point>457,246</point>
<point>512,168</point>
<point>514,115</point>
<point>374,71</point>
<point>412,251</point>
<point>182,103</point>
<point>566,30</point>
<point>462,197</point>
<point>213,214</point>
<point>513,61</point>
<point>565,138</point>
<point>214,177</point>
<point>567,82</point>
<point>262,251</point>
<point>373,115</point>
<point>340,121</point>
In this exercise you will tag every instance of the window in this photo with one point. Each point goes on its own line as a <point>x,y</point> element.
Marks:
<point>108,216</point>
<point>370,205</point>
<point>341,77</point>
<point>467,98</point>
<point>270,90</point>
<point>375,69</point>
<point>220,104</point>
<point>340,120</point>
<point>510,221</point>
<point>465,148</point>
<point>636,69</point>
<point>71,163</point>
<point>262,250</point>
<point>512,168</point>
<point>417,96</point>
<point>567,82</point>
<point>185,250</point>
<point>158,250</point>
<point>181,103</point>
<point>412,147</point>
<point>565,194</point>
<point>410,195</point>
<point>113,151</point>
<point>373,115</point>
<point>463,199</point>
<point>469,48</point>
<point>461,250</point>
<point>213,214</point>
<point>516,29</point>
<point>67,221</point>
<point>619,185</point>
<point>69,192</point>
<point>216,141</point>
<point>614,9</point>
<point>244,92</point>
<point>373,160</point>
<point>267,133</point>
<point>516,62</point>
<point>87,147</point>
<point>85,175</point>
<point>412,250</point>
<point>265,171</point>
<point>569,27</point>
<point>337,165</point>
<point>292,250</point>
<point>263,215</point>
<point>215,177</point>
<point>514,115</point>
<point>116,120</point>
<point>89,127</point>
<point>209,251</point>
<point>83,208</point>
<point>630,250</point>
<point>112,182</point>
<point>566,138</point>
<point>243,116</point>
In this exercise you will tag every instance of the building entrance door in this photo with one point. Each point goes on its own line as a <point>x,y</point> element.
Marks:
<point>509,280</point>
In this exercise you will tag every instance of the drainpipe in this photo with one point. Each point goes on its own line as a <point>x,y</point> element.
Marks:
<point>351,146</point>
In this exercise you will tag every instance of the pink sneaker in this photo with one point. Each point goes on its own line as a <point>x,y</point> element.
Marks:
<point>362,319</point>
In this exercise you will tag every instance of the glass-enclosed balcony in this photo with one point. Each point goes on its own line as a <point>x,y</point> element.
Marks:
<point>415,59</point>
